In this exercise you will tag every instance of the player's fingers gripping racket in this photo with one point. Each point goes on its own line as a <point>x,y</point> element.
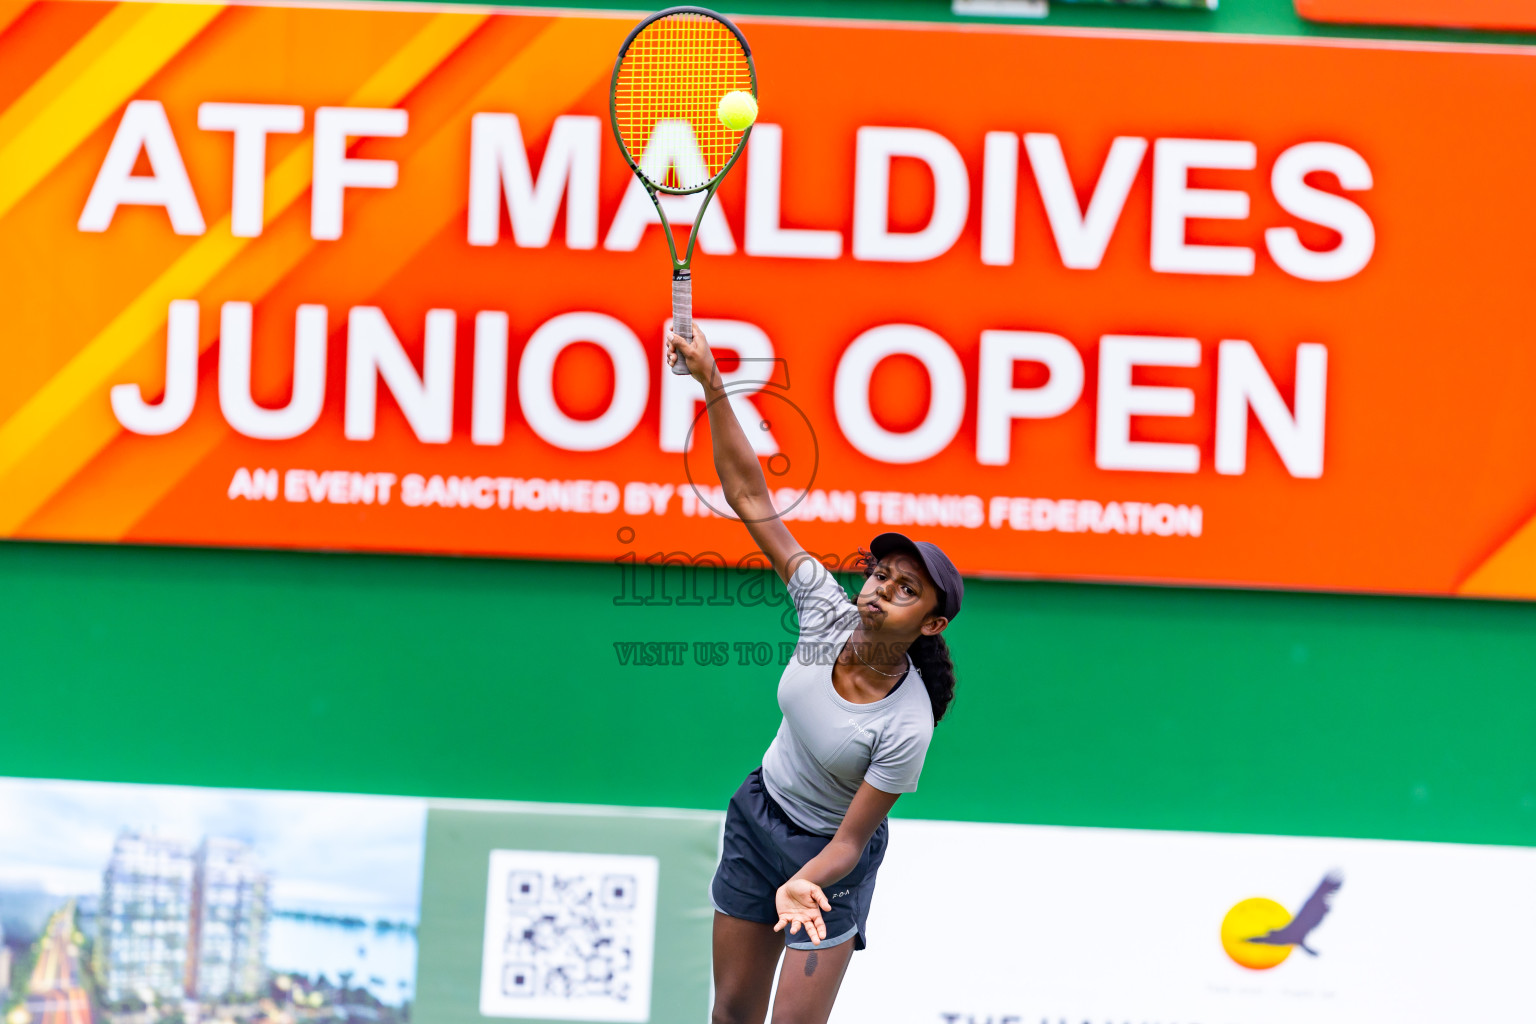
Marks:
<point>682,103</point>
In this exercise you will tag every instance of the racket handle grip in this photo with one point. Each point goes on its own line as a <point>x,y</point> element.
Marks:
<point>682,311</point>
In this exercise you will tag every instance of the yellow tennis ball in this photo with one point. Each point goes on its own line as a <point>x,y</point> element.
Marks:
<point>738,110</point>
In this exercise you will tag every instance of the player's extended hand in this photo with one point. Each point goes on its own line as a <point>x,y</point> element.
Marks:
<point>800,903</point>
<point>696,356</point>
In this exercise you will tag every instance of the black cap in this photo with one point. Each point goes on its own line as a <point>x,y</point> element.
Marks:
<point>940,569</point>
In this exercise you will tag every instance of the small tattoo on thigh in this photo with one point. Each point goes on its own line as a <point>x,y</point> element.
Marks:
<point>810,964</point>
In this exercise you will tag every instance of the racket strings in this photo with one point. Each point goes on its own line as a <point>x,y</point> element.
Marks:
<point>669,85</point>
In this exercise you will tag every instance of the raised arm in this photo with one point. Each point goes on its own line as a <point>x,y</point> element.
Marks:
<point>741,475</point>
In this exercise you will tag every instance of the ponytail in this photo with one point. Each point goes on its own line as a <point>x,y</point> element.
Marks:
<point>931,656</point>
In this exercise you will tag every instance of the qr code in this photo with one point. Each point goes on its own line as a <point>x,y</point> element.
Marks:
<point>569,936</point>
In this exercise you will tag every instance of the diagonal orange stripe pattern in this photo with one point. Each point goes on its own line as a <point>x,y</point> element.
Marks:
<point>10,10</point>
<point>546,76</point>
<point>65,424</point>
<point>98,75</point>
<point>1510,571</point>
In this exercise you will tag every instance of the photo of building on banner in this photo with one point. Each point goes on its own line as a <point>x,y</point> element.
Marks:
<point>143,905</point>
<point>138,904</point>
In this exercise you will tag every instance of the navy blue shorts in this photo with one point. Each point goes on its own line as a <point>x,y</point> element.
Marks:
<point>763,849</point>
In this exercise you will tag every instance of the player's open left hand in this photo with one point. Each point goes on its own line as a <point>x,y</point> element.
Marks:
<point>800,903</point>
<point>696,356</point>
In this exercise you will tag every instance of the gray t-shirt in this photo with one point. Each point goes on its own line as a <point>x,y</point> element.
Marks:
<point>826,745</point>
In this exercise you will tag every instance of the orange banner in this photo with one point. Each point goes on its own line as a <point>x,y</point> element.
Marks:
<point>1073,304</point>
<point>1482,14</point>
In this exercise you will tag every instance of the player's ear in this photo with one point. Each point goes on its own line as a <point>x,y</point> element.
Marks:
<point>933,625</point>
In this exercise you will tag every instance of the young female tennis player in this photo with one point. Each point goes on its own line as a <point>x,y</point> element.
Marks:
<point>806,832</point>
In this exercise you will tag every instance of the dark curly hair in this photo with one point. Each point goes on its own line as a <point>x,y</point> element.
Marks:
<point>929,653</point>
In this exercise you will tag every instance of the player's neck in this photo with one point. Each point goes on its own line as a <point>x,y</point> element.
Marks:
<point>874,655</point>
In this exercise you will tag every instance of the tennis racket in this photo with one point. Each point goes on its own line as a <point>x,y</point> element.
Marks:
<point>668,83</point>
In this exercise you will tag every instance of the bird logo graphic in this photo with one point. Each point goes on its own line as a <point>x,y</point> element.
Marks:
<point>1259,933</point>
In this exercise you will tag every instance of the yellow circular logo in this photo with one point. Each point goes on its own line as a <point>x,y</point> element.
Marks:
<point>1249,920</point>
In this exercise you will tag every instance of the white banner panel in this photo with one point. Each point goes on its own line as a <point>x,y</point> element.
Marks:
<point>1006,924</point>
